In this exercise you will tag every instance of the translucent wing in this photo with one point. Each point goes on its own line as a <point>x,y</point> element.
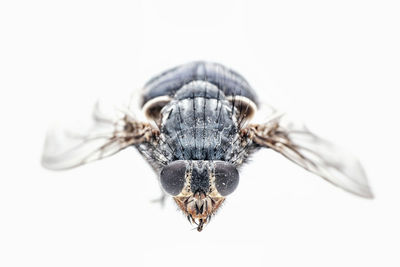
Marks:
<point>104,135</point>
<point>319,156</point>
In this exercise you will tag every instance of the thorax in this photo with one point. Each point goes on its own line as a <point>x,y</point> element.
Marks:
<point>199,123</point>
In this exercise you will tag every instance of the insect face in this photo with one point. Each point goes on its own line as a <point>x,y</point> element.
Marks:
<point>199,187</point>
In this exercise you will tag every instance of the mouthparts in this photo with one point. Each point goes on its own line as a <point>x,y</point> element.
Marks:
<point>199,207</point>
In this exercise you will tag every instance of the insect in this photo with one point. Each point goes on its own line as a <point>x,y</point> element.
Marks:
<point>197,134</point>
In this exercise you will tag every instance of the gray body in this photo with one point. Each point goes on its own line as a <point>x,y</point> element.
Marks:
<point>199,123</point>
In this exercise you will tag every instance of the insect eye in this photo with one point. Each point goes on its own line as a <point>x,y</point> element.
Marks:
<point>226,178</point>
<point>172,177</point>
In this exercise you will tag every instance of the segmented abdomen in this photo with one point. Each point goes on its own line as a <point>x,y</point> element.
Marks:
<point>170,81</point>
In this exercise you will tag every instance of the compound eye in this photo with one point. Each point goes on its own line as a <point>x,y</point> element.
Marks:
<point>172,177</point>
<point>226,178</point>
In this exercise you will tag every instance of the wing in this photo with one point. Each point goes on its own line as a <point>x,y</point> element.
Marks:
<point>104,135</point>
<point>319,156</point>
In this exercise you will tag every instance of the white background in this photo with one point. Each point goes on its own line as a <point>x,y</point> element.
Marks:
<point>333,63</point>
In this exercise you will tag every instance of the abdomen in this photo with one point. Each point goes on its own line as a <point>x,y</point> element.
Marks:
<point>169,82</point>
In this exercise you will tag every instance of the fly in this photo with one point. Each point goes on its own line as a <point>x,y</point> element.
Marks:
<point>198,133</point>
